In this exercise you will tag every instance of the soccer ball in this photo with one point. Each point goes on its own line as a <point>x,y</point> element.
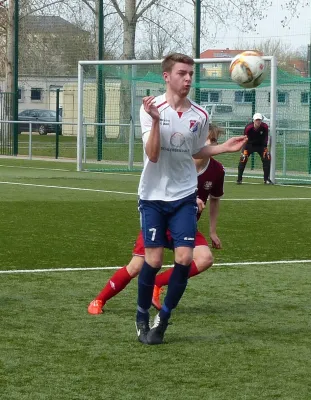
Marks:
<point>247,69</point>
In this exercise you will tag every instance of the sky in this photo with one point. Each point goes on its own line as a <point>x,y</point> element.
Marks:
<point>295,35</point>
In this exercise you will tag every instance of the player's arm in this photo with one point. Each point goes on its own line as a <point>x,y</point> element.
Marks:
<point>213,216</point>
<point>266,153</point>
<point>267,137</point>
<point>200,204</point>
<point>153,143</point>
<point>230,146</point>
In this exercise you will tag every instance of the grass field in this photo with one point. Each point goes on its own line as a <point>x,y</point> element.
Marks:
<point>241,331</point>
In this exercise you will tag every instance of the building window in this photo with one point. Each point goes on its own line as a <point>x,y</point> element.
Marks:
<point>305,98</point>
<point>282,97</point>
<point>243,96</point>
<point>20,95</point>
<point>209,96</point>
<point>36,94</point>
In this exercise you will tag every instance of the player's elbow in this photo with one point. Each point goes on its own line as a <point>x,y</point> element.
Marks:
<point>153,155</point>
<point>154,158</point>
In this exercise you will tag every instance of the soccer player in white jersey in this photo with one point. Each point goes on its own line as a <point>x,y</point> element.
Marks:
<point>210,187</point>
<point>174,129</point>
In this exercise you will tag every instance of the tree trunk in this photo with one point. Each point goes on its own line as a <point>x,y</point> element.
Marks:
<point>9,49</point>
<point>7,98</point>
<point>129,26</point>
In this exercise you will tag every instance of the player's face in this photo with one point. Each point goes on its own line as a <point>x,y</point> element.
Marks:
<point>179,79</point>
<point>211,141</point>
<point>257,123</point>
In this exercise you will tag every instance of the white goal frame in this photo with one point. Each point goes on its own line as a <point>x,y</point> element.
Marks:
<point>80,127</point>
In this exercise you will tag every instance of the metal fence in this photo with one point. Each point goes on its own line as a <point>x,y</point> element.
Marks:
<point>6,130</point>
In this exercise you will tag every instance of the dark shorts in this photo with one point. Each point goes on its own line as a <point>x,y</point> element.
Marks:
<point>139,247</point>
<point>179,217</point>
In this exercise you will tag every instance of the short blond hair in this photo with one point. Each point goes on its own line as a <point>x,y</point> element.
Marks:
<point>171,59</point>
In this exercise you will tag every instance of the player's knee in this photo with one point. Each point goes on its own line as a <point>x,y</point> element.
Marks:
<point>134,266</point>
<point>204,261</point>
<point>266,155</point>
<point>244,157</point>
<point>154,257</point>
<point>183,258</point>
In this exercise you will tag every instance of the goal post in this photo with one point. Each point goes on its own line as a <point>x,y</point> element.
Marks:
<point>126,82</point>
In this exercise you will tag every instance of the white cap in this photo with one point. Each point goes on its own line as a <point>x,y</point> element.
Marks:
<point>257,116</point>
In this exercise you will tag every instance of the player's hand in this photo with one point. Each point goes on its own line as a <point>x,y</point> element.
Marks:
<point>235,143</point>
<point>200,204</point>
<point>150,108</point>
<point>216,243</point>
<point>266,153</point>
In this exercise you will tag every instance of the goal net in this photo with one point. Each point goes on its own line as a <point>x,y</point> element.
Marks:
<point>109,95</point>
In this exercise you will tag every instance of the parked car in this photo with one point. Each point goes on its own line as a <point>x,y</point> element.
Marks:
<point>219,111</point>
<point>41,120</point>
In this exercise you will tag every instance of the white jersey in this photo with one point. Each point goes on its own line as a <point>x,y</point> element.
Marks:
<point>174,175</point>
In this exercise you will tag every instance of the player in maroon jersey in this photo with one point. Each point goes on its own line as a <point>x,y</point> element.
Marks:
<point>210,186</point>
<point>258,139</point>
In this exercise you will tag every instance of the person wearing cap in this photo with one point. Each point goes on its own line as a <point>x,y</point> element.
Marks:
<point>257,133</point>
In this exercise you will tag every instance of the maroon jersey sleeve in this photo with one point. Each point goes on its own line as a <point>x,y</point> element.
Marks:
<point>211,181</point>
<point>266,130</point>
<point>248,128</point>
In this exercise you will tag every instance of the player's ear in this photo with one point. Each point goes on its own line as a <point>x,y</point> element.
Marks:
<point>166,76</point>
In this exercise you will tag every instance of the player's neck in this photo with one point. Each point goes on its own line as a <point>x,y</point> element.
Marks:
<point>176,102</point>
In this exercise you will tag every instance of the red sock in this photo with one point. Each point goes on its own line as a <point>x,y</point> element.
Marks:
<point>193,270</point>
<point>163,278</point>
<point>116,283</point>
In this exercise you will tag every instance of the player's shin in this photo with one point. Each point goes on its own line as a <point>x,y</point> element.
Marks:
<point>115,285</point>
<point>176,287</point>
<point>146,281</point>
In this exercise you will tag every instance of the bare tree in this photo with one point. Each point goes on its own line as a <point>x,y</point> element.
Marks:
<point>283,53</point>
<point>292,9</point>
<point>160,34</point>
<point>130,13</point>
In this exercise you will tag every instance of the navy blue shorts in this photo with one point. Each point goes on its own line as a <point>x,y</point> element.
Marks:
<point>179,216</point>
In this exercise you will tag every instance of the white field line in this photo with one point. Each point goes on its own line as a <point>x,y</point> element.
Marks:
<point>32,271</point>
<point>66,188</point>
<point>69,170</point>
<point>135,194</point>
<point>138,175</point>
<point>277,184</point>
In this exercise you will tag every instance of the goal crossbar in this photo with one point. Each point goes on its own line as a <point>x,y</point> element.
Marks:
<point>80,122</point>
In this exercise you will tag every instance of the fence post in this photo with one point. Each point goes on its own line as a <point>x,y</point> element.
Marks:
<point>57,125</point>
<point>253,112</point>
<point>30,141</point>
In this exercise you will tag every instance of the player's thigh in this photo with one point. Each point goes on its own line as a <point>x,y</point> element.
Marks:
<point>154,256</point>
<point>182,223</point>
<point>202,254</point>
<point>260,151</point>
<point>153,223</point>
<point>139,246</point>
<point>250,149</point>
